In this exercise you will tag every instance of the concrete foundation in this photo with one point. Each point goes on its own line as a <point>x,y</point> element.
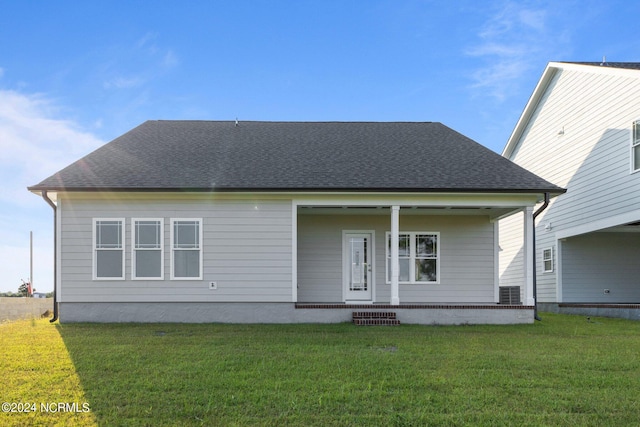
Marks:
<point>287,313</point>
<point>622,311</point>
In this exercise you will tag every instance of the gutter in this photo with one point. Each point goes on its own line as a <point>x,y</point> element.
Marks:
<point>535,284</point>
<point>55,255</point>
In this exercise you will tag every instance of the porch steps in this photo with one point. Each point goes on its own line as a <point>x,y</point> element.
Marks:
<point>368,318</point>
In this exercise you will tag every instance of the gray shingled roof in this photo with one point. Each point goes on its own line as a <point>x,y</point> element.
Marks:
<point>294,156</point>
<point>627,65</point>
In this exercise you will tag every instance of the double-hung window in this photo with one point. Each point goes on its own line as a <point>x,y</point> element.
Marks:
<point>186,248</point>
<point>108,248</point>
<point>418,256</point>
<point>147,252</point>
<point>635,146</point>
<point>547,260</point>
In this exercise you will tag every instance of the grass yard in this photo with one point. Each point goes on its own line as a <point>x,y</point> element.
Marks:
<point>561,371</point>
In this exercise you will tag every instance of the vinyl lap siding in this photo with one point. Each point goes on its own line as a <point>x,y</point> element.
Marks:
<point>579,138</point>
<point>511,256</point>
<point>246,250</point>
<point>592,157</point>
<point>598,261</point>
<point>466,263</point>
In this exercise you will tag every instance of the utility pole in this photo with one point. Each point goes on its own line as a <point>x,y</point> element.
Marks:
<point>31,259</point>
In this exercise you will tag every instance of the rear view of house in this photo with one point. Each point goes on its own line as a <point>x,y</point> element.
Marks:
<point>581,130</point>
<point>204,221</point>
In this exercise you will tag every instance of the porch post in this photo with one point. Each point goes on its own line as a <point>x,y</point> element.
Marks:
<point>529,247</point>
<point>294,251</point>
<point>395,263</point>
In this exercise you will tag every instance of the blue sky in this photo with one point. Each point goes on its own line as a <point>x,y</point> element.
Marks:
<point>76,74</point>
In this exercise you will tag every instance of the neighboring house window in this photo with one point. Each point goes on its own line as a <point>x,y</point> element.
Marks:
<point>418,256</point>
<point>108,255</point>
<point>147,252</point>
<point>186,248</point>
<point>635,146</point>
<point>547,260</point>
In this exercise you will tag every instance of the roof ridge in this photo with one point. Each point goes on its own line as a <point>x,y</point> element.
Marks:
<point>293,121</point>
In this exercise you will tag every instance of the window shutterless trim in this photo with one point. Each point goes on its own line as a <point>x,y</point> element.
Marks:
<point>134,249</point>
<point>413,257</point>
<point>173,249</point>
<point>95,249</point>
<point>635,145</point>
<point>546,259</point>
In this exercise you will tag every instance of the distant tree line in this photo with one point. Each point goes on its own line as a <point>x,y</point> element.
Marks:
<point>23,291</point>
<point>19,294</point>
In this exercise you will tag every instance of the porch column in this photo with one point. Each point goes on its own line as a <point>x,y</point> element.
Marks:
<point>529,247</point>
<point>395,263</point>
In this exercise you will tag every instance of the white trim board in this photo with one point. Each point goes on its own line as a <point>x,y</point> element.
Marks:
<point>601,224</point>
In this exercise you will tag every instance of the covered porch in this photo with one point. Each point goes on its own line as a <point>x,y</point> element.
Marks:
<point>417,254</point>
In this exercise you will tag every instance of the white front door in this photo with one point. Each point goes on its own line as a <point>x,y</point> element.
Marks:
<point>357,255</point>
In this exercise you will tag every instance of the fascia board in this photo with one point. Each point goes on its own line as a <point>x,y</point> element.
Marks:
<point>531,106</point>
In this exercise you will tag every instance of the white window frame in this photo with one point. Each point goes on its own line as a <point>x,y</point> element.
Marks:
<point>548,259</point>
<point>134,249</point>
<point>95,249</point>
<point>173,249</point>
<point>413,256</point>
<point>635,145</point>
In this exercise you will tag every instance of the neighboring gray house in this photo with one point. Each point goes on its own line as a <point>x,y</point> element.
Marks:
<point>271,222</point>
<point>581,130</point>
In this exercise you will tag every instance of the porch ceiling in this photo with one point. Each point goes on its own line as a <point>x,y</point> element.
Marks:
<point>492,212</point>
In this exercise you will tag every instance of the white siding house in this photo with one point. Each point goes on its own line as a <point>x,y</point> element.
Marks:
<point>579,132</point>
<point>268,222</point>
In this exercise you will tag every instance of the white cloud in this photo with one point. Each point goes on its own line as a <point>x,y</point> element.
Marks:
<point>137,64</point>
<point>146,41</point>
<point>170,59</point>
<point>123,82</point>
<point>512,41</point>
<point>34,144</point>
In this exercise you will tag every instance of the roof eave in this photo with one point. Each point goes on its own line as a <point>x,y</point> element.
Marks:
<point>531,106</point>
<point>554,191</point>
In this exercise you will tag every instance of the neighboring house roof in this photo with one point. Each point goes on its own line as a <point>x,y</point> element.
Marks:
<point>629,69</point>
<point>627,65</point>
<point>294,156</point>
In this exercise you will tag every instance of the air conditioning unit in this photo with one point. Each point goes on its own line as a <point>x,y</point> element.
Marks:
<point>510,295</point>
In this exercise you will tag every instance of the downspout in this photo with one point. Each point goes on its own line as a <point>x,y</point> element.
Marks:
<point>55,255</point>
<point>535,284</point>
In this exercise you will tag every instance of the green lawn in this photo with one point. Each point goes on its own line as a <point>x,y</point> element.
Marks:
<point>561,371</point>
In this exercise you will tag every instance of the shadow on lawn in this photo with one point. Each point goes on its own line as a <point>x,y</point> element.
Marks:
<point>186,374</point>
<point>149,374</point>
